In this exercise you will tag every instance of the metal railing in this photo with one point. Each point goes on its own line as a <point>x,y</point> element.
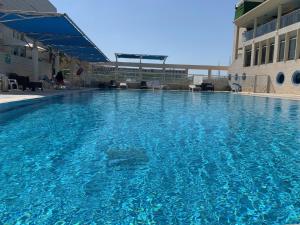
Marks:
<point>138,77</point>
<point>289,19</point>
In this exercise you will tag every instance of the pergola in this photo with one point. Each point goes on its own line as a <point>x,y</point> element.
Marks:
<point>53,30</point>
<point>141,57</point>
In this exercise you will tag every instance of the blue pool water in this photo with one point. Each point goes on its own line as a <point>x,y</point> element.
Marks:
<point>140,157</point>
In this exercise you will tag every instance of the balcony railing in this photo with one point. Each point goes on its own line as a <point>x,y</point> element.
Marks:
<point>289,19</point>
<point>266,28</point>
<point>248,35</point>
<point>286,20</point>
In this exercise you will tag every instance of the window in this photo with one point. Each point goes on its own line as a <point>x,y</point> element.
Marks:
<point>271,55</point>
<point>296,78</point>
<point>281,50</point>
<point>236,77</point>
<point>248,58</point>
<point>256,56</point>
<point>280,78</point>
<point>229,76</point>
<point>23,52</point>
<point>244,76</point>
<point>15,51</point>
<point>292,48</point>
<point>263,54</point>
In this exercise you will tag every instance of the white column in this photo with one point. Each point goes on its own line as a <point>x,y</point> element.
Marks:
<point>237,40</point>
<point>57,63</point>
<point>268,52</point>
<point>287,46</point>
<point>252,54</point>
<point>279,14</point>
<point>35,62</point>
<point>259,53</point>
<point>276,48</point>
<point>255,28</point>
<point>298,45</point>
<point>209,75</point>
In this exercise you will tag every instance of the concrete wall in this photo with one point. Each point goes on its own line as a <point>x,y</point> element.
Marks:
<point>22,66</point>
<point>28,5</point>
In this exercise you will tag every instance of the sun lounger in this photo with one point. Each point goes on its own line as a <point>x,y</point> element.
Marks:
<point>123,85</point>
<point>143,85</point>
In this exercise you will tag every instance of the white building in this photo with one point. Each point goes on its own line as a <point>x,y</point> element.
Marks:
<point>266,53</point>
<point>15,53</point>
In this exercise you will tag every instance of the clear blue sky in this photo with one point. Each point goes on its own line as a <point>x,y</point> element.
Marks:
<point>188,31</point>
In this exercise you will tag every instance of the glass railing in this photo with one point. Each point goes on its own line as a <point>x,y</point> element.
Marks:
<point>286,20</point>
<point>248,35</point>
<point>289,19</point>
<point>266,28</point>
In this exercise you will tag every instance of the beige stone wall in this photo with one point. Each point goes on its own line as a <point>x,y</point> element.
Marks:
<point>271,70</point>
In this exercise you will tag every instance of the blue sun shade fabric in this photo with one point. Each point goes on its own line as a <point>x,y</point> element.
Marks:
<point>138,56</point>
<point>55,30</point>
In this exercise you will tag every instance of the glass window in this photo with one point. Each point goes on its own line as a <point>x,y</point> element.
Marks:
<point>281,50</point>
<point>292,48</point>
<point>244,76</point>
<point>236,77</point>
<point>248,58</point>
<point>263,55</point>
<point>296,78</point>
<point>23,52</point>
<point>280,78</point>
<point>271,55</point>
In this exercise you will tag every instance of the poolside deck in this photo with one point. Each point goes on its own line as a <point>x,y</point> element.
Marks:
<point>15,96</point>
<point>272,95</point>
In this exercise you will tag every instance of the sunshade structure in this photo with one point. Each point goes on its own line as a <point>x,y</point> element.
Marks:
<point>55,30</point>
<point>140,56</point>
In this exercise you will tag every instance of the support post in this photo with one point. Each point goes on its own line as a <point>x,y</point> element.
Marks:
<point>209,75</point>
<point>237,40</point>
<point>259,53</point>
<point>252,54</point>
<point>255,28</point>
<point>298,45</point>
<point>286,47</point>
<point>267,60</point>
<point>35,62</point>
<point>276,49</point>
<point>279,14</point>
<point>57,63</point>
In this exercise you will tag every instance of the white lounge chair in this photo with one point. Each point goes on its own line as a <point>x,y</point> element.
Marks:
<point>123,85</point>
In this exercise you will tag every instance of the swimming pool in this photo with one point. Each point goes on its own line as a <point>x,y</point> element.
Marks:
<point>143,157</point>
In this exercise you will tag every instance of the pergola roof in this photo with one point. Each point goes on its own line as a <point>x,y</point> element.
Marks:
<point>141,56</point>
<point>54,30</point>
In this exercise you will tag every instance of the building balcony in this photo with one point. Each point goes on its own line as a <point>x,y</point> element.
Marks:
<point>286,20</point>
<point>289,19</point>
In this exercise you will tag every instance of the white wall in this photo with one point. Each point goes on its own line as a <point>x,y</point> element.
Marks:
<point>28,5</point>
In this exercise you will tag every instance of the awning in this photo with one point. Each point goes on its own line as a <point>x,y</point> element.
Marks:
<point>141,56</point>
<point>55,30</point>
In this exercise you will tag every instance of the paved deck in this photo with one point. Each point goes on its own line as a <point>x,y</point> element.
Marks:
<point>269,95</point>
<point>15,96</point>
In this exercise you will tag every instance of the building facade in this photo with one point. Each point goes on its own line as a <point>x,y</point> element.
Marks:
<point>15,50</point>
<point>266,52</point>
